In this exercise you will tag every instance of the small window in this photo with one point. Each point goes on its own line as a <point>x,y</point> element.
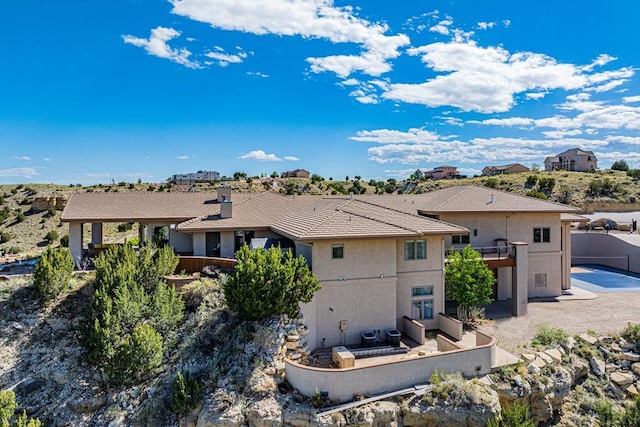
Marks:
<point>460,240</point>
<point>422,291</point>
<point>422,309</point>
<point>415,249</point>
<point>541,235</point>
<point>337,251</point>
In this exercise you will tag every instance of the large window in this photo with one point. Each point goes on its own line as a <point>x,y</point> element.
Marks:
<point>460,240</point>
<point>415,249</point>
<point>541,235</point>
<point>422,302</point>
<point>337,251</point>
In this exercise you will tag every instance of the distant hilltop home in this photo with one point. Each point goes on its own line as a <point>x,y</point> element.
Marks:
<point>192,178</point>
<point>443,172</point>
<point>298,173</point>
<point>575,159</point>
<point>504,169</point>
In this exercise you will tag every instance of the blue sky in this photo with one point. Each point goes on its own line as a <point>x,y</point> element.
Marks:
<point>97,90</point>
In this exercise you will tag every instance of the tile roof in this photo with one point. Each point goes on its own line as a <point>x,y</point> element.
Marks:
<point>138,207</point>
<point>469,199</point>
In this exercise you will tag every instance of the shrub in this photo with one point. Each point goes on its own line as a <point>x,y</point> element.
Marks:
<point>8,407</point>
<point>187,393</point>
<point>634,173</point>
<point>51,236</point>
<point>15,250</point>
<point>52,273</point>
<point>630,417</point>
<point>125,226</point>
<point>548,335</point>
<point>537,194</point>
<point>132,311</point>
<point>20,217</point>
<point>491,183</point>
<point>546,185</point>
<point>267,282</point>
<point>64,241</point>
<point>631,333</point>
<point>532,180</point>
<point>513,416</point>
<point>5,237</point>
<point>51,212</point>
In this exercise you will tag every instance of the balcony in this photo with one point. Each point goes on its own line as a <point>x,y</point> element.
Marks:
<point>498,256</point>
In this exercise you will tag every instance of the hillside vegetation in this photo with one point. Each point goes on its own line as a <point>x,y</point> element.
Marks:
<point>26,232</point>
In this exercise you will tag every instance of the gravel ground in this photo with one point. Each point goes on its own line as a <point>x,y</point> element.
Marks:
<point>609,313</point>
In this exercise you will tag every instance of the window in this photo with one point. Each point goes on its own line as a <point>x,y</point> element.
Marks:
<point>460,240</point>
<point>541,235</point>
<point>337,251</point>
<point>422,302</point>
<point>415,249</point>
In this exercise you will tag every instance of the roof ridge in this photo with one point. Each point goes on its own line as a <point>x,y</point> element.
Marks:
<point>211,212</point>
<point>385,222</point>
<point>321,221</point>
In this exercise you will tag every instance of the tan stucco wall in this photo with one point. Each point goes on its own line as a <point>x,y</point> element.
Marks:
<point>550,264</point>
<point>602,246</point>
<point>200,244</point>
<point>366,305</point>
<point>181,242</point>
<point>342,384</point>
<point>362,258</point>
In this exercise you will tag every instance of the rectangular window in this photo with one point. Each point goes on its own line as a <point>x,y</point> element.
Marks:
<point>415,249</point>
<point>460,240</point>
<point>541,235</point>
<point>337,251</point>
<point>422,302</point>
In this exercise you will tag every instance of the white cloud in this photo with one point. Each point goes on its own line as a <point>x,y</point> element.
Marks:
<point>387,136</point>
<point>485,25</point>
<point>46,159</point>
<point>27,158</point>
<point>506,23</point>
<point>536,95</point>
<point>223,58</point>
<point>18,172</point>
<point>183,157</point>
<point>156,45</point>
<point>509,121</point>
<point>257,74</point>
<point>261,156</point>
<point>558,134</point>
<point>442,27</point>
<point>601,60</point>
<point>291,158</point>
<point>607,86</point>
<point>308,19</point>
<point>486,79</point>
<point>631,99</point>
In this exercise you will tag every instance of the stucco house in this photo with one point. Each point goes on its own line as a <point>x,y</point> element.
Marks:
<point>378,258</point>
<point>442,172</point>
<point>504,169</point>
<point>296,173</point>
<point>194,177</point>
<point>575,159</point>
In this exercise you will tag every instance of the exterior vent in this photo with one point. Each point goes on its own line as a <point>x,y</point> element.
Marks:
<point>541,280</point>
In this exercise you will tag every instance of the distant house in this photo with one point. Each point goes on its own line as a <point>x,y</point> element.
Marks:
<point>193,177</point>
<point>297,173</point>
<point>504,169</point>
<point>575,159</point>
<point>442,172</point>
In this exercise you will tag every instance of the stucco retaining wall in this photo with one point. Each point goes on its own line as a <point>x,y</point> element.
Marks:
<point>450,326</point>
<point>596,247</point>
<point>413,329</point>
<point>342,384</point>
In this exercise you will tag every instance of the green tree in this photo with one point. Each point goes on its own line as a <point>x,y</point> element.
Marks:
<point>514,416</point>
<point>187,392</point>
<point>620,165</point>
<point>52,273</point>
<point>469,282</point>
<point>8,406</point>
<point>131,312</point>
<point>268,282</point>
<point>51,236</point>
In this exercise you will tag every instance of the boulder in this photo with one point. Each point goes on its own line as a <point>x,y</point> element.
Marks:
<point>597,366</point>
<point>632,357</point>
<point>87,405</point>
<point>621,378</point>
<point>554,354</point>
<point>264,413</point>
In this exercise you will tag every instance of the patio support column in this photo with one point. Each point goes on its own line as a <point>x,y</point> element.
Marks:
<point>566,256</point>
<point>96,233</point>
<point>75,241</point>
<point>227,244</point>
<point>520,280</point>
<point>200,244</point>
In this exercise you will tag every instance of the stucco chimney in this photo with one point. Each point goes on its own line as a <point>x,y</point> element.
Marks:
<point>224,193</point>
<point>226,209</point>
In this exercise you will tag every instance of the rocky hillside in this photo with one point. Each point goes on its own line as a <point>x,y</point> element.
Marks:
<point>239,367</point>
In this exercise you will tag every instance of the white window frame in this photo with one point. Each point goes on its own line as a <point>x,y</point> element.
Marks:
<point>414,248</point>
<point>425,300</point>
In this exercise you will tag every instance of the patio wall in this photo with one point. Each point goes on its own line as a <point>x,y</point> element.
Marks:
<point>195,264</point>
<point>342,384</point>
<point>413,329</point>
<point>450,326</point>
